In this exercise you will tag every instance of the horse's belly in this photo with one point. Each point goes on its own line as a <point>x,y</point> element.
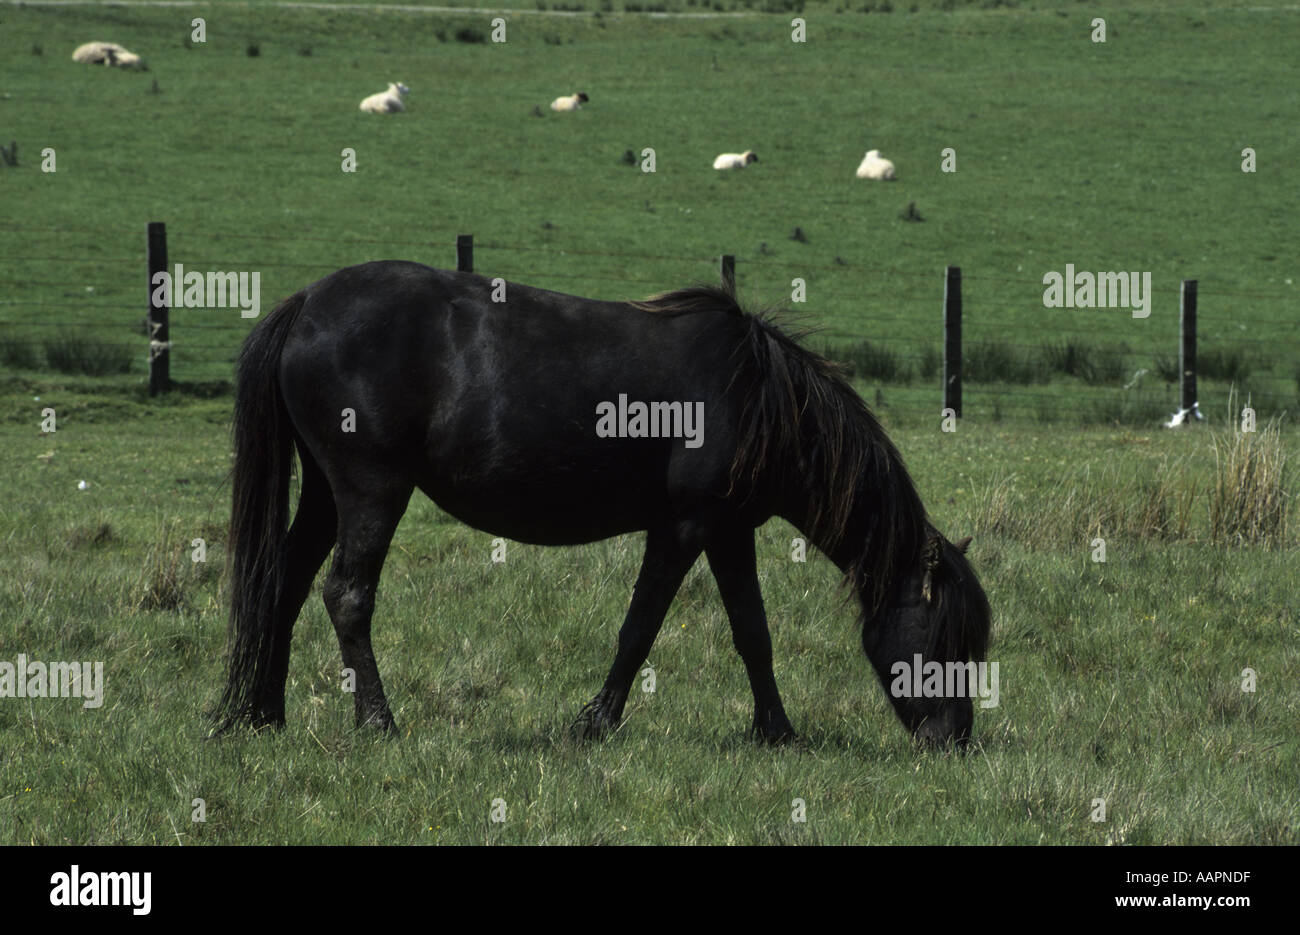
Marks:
<point>565,511</point>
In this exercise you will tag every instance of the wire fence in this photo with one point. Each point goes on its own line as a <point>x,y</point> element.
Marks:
<point>65,305</point>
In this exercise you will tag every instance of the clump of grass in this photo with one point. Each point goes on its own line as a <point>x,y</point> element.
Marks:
<point>1249,498</point>
<point>1068,357</point>
<point>163,587</point>
<point>67,353</point>
<point>1134,406</point>
<point>471,35</point>
<point>1161,506</point>
<point>96,533</point>
<point>253,50</point>
<point>1088,362</point>
<point>998,362</point>
<point>19,353</point>
<point>1230,365</point>
<point>869,361</point>
<point>931,361</point>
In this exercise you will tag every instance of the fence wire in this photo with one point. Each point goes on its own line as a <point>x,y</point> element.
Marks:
<point>1006,364</point>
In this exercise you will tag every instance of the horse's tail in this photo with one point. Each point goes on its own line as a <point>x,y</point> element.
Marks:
<point>259,515</point>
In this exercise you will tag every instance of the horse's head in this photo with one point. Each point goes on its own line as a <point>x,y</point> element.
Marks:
<point>926,641</point>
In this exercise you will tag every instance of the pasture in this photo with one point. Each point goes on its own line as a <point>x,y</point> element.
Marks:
<point>1120,680</point>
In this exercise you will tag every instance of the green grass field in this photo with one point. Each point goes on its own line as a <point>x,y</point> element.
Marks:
<point>1120,681</point>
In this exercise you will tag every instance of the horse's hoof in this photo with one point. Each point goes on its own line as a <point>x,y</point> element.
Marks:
<point>267,720</point>
<point>382,721</point>
<point>592,723</point>
<point>774,736</point>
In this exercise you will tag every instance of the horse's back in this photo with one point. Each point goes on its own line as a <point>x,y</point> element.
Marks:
<point>489,396</point>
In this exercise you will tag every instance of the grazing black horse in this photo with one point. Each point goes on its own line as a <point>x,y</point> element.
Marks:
<point>493,406</point>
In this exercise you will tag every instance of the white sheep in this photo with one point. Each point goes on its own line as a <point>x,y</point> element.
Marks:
<point>735,160</point>
<point>572,102</point>
<point>386,102</point>
<point>107,53</point>
<point>874,167</point>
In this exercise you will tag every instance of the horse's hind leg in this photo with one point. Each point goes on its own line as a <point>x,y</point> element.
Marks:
<point>304,550</point>
<point>665,564</point>
<point>369,511</point>
<point>731,557</point>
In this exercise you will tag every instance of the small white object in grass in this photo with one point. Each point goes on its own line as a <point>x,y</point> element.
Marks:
<point>570,102</point>
<point>386,102</point>
<point>873,166</point>
<point>1184,415</point>
<point>735,160</point>
<point>83,485</point>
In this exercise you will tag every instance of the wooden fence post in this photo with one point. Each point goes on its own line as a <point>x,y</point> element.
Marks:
<point>952,340</point>
<point>728,267</point>
<point>1187,350</point>
<point>465,253</point>
<point>159,332</point>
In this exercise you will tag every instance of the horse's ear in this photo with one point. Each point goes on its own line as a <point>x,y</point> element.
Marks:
<point>963,545</point>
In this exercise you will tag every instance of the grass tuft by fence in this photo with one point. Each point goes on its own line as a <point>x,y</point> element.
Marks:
<point>1228,364</point>
<point>1249,501</point>
<point>19,353</point>
<point>67,353</point>
<point>866,360</point>
<point>999,362</point>
<point>1089,362</point>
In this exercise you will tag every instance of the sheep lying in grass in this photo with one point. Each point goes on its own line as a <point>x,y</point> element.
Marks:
<point>572,102</point>
<point>735,160</point>
<point>386,102</point>
<point>874,167</point>
<point>108,53</point>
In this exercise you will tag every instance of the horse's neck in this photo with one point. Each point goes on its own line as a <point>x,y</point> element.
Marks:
<point>874,539</point>
<point>843,548</point>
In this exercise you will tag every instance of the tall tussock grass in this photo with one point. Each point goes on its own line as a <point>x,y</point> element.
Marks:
<point>1246,501</point>
<point>1250,500</point>
<point>1103,504</point>
<point>168,577</point>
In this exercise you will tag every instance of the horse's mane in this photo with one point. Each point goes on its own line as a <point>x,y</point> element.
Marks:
<point>804,427</point>
<point>965,607</point>
<point>697,298</point>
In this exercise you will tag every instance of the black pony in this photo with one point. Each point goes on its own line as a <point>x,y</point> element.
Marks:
<point>516,410</point>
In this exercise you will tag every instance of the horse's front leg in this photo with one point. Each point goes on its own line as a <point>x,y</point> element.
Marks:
<point>663,567</point>
<point>731,557</point>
